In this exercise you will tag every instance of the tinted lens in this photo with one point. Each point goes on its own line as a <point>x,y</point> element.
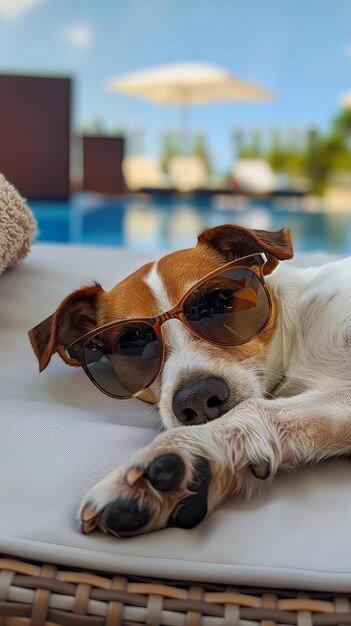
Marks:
<point>125,359</point>
<point>229,308</point>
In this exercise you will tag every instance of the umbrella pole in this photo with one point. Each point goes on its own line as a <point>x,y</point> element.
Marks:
<point>185,129</point>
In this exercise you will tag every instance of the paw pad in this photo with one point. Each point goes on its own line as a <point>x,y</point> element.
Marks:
<point>193,508</point>
<point>125,516</point>
<point>166,472</point>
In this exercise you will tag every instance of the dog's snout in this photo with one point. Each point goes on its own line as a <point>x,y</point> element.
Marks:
<point>201,400</point>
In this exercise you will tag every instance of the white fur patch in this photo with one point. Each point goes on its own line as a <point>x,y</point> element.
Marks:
<point>189,358</point>
<point>176,334</point>
<point>154,281</point>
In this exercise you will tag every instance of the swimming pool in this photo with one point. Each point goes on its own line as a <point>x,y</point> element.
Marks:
<point>149,222</point>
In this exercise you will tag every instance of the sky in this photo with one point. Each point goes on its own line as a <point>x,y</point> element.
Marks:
<point>298,49</point>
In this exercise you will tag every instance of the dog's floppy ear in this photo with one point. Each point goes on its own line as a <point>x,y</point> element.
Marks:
<point>235,241</point>
<point>75,316</point>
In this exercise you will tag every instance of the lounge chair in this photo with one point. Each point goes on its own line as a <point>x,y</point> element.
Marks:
<point>283,558</point>
<point>143,173</point>
<point>254,176</point>
<point>188,173</point>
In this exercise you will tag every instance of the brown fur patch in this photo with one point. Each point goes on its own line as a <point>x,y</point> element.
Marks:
<point>234,241</point>
<point>75,316</point>
<point>129,298</point>
<point>182,269</point>
<point>133,297</point>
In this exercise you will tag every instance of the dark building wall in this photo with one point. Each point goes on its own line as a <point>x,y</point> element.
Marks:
<point>34,135</point>
<point>102,158</point>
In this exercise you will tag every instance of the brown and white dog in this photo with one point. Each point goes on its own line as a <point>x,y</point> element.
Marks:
<point>287,397</point>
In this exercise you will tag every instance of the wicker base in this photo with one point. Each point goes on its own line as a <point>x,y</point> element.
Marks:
<point>45,595</point>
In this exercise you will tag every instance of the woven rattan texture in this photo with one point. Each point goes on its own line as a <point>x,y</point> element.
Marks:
<point>44,595</point>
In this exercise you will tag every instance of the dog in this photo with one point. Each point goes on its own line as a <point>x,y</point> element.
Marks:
<point>248,359</point>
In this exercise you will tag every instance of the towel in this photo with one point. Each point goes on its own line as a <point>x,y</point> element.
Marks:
<point>17,226</point>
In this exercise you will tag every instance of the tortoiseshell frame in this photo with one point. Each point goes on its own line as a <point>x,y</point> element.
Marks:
<point>76,348</point>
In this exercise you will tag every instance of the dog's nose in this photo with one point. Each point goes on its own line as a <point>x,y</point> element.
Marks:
<point>201,400</point>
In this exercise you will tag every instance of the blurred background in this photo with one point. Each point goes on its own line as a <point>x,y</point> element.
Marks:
<point>138,123</point>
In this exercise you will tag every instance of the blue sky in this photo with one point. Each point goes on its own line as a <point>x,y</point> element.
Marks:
<point>299,49</point>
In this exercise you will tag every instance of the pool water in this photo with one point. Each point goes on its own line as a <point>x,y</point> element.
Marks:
<point>147,223</point>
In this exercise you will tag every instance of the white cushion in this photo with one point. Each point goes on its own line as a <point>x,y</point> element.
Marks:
<point>255,175</point>
<point>142,172</point>
<point>59,435</point>
<point>188,173</point>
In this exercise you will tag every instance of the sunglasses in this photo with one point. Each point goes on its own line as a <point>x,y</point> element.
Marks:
<point>228,307</point>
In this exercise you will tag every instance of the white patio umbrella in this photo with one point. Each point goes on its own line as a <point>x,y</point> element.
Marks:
<point>187,84</point>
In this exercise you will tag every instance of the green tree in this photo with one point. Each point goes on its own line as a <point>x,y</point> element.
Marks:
<point>201,150</point>
<point>238,139</point>
<point>94,127</point>
<point>275,154</point>
<point>256,143</point>
<point>97,125</point>
<point>317,161</point>
<point>169,148</point>
<point>342,124</point>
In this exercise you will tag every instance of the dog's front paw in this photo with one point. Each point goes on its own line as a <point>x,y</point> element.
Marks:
<point>182,476</point>
<point>165,485</point>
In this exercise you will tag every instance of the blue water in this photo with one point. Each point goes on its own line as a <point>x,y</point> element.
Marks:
<point>147,223</point>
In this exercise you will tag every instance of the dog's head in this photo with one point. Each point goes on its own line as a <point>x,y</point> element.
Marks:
<point>199,381</point>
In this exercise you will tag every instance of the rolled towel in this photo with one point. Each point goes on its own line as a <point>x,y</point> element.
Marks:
<point>17,226</point>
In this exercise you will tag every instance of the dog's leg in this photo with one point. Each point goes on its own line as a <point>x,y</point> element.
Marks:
<point>185,473</point>
<point>312,426</point>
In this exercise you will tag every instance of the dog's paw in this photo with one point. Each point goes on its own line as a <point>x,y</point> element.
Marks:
<point>166,484</point>
<point>181,477</point>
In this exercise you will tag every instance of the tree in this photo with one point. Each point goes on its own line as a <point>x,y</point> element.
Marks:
<point>238,138</point>
<point>276,153</point>
<point>342,124</point>
<point>168,148</point>
<point>97,125</point>
<point>256,143</point>
<point>201,150</point>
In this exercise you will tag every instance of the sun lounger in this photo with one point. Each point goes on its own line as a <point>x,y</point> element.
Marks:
<point>142,173</point>
<point>188,173</point>
<point>253,176</point>
<point>283,558</point>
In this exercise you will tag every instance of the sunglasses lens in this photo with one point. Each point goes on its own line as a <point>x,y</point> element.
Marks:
<point>229,308</point>
<point>125,359</point>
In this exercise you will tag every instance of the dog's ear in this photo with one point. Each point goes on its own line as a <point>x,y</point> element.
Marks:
<point>75,316</point>
<point>235,241</point>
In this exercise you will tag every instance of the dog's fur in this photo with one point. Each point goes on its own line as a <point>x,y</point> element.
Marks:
<point>290,387</point>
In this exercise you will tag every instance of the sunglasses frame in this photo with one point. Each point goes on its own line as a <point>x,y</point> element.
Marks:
<point>76,349</point>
